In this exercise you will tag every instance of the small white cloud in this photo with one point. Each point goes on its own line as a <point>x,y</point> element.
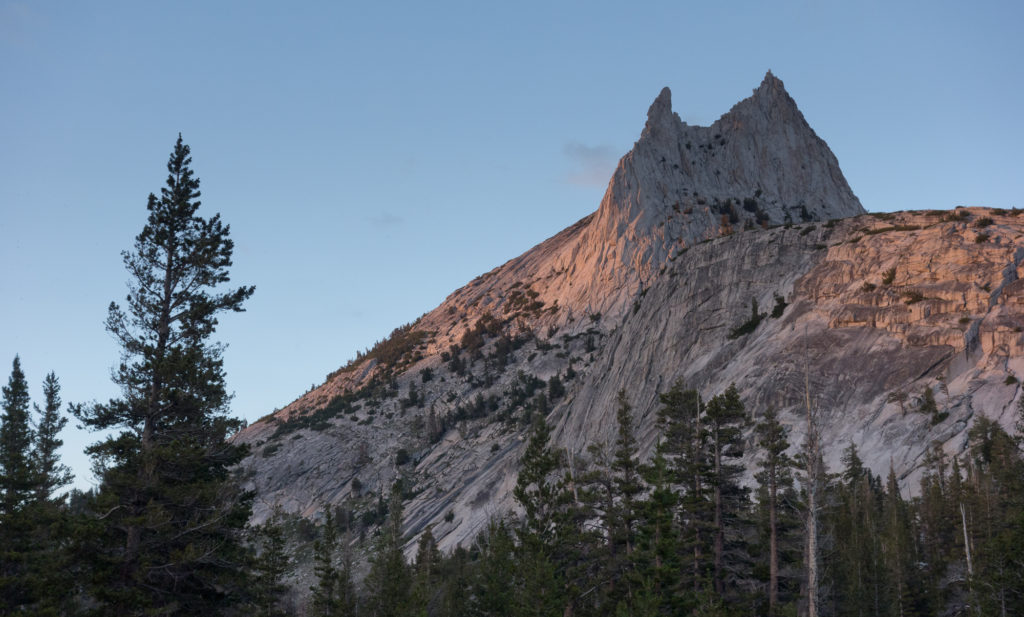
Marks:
<point>593,164</point>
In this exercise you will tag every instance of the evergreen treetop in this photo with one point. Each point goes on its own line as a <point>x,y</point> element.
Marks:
<point>17,478</point>
<point>168,518</point>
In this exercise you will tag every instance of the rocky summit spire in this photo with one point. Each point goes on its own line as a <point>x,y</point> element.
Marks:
<point>660,114</point>
<point>758,165</point>
<point>661,105</point>
<point>770,85</point>
<point>773,101</point>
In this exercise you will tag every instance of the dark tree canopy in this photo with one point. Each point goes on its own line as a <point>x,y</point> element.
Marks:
<point>167,515</point>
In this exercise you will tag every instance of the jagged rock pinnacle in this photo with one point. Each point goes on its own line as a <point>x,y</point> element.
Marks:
<point>661,106</point>
<point>758,165</point>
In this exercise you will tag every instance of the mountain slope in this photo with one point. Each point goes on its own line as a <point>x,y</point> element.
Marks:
<point>696,223</point>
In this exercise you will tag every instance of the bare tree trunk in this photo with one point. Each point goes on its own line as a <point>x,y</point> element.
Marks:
<point>812,551</point>
<point>697,493</point>
<point>773,544</point>
<point>967,543</point>
<point>719,531</point>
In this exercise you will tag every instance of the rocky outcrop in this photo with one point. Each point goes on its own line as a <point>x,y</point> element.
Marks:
<point>651,289</point>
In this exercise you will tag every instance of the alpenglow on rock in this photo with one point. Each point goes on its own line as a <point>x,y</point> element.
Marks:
<point>651,289</point>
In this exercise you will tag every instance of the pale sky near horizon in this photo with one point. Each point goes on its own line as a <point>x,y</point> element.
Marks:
<point>373,157</point>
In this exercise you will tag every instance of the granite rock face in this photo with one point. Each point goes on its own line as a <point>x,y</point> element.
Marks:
<point>650,290</point>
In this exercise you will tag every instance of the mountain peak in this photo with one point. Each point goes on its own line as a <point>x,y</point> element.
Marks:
<point>661,121</point>
<point>758,165</point>
<point>661,106</point>
<point>770,83</point>
<point>770,95</point>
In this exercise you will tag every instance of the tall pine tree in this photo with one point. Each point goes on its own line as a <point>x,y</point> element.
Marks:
<point>168,519</point>
<point>389,583</point>
<point>17,484</point>
<point>726,420</point>
<point>775,480</point>
<point>51,474</point>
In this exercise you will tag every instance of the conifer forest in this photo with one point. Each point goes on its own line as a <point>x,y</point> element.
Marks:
<point>687,531</point>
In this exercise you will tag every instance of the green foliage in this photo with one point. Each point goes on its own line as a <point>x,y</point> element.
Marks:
<point>389,582</point>
<point>17,476</point>
<point>889,276</point>
<point>427,574</point>
<point>474,338</point>
<point>556,389</point>
<point>269,568</point>
<point>912,296</point>
<point>401,457</point>
<point>780,306</point>
<point>868,231</point>
<point>524,303</point>
<point>751,324</point>
<point>927,403</point>
<point>535,488</point>
<point>604,535</point>
<point>166,527</point>
<point>400,348</point>
<point>334,592</point>
<point>17,487</point>
<point>51,474</point>
<point>776,516</point>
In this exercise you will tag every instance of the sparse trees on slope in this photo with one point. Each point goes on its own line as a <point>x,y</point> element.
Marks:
<point>168,520</point>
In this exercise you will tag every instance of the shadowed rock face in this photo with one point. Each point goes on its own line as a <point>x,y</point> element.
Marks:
<point>646,291</point>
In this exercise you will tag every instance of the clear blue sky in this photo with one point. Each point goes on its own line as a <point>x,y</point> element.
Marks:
<point>372,157</point>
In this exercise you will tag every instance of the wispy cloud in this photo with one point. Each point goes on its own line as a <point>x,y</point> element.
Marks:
<point>593,165</point>
<point>386,220</point>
